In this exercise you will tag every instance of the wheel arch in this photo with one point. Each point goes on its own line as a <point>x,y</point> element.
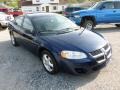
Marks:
<point>88,18</point>
<point>41,49</point>
<point>50,50</point>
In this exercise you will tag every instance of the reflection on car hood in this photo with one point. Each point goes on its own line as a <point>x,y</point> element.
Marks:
<point>87,41</point>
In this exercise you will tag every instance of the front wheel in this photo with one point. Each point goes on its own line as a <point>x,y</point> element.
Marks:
<point>117,25</point>
<point>88,24</point>
<point>49,62</point>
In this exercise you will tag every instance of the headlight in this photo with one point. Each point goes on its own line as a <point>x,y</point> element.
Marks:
<point>77,16</point>
<point>73,55</point>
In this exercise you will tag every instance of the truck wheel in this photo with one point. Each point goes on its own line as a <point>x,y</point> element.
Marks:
<point>88,24</point>
<point>117,25</point>
<point>49,62</point>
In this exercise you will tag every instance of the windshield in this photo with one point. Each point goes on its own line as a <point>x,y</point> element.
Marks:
<point>53,24</point>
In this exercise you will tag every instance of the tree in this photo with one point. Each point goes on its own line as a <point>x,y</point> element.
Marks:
<point>11,3</point>
<point>72,1</point>
<point>80,1</point>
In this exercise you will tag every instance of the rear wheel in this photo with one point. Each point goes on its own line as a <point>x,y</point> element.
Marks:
<point>117,25</point>
<point>49,62</point>
<point>13,40</point>
<point>88,24</point>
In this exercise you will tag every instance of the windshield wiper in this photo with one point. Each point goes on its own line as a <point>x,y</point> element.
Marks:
<point>61,31</point>
<point>66,30</point>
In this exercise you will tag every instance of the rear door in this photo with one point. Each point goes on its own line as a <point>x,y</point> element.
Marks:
<point>17,28</point>
<point>117,11</point>
<point>28,36</point>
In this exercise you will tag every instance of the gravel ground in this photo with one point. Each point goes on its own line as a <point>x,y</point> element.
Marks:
<point>21,70</point>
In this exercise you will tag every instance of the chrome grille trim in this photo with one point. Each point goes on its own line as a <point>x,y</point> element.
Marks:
<point>101,61</point>
<point>108,49</point>
<point>97,56</point>
<point>109,55</point>
<point>103,52</point>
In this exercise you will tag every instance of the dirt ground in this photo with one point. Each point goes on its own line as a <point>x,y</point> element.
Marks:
<point>21,70</point>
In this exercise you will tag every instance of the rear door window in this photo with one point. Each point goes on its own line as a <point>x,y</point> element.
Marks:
<point>117,5</point>
<point>19,20</point>
<point>27,24</point>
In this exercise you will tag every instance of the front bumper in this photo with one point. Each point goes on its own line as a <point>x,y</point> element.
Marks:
<point>97,60</point>
<point>82,67</point>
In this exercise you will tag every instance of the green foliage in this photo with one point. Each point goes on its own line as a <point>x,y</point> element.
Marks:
<point>11,3</point>
<point>72,1</point>
<point>80,1</point>
<point>14,3</point>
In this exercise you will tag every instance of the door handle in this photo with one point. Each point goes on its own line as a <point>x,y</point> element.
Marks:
<point>114,11</point>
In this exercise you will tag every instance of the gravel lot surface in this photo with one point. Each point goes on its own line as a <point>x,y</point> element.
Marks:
<point>21,70</point>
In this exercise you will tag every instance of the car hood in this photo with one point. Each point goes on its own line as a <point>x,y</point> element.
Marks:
<point>83,11</point>
<point>86,41</point>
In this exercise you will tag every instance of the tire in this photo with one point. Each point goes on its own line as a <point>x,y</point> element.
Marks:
<point>117,25</point>
<point>4,27</point>
<point>13,40</point>
<point>88,24</point>
<point>49,62</point>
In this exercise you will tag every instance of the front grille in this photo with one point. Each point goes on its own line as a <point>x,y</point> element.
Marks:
<point>100,58</point>
<point>96,52</point>
<point>102,54</point>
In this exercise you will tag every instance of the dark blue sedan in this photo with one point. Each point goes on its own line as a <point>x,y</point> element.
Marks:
<point>60,44</point>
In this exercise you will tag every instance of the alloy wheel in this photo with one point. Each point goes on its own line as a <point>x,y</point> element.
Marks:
<point>47,62</point>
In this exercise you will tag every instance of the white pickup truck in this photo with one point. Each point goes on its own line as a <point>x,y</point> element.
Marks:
<point>4,19</point>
